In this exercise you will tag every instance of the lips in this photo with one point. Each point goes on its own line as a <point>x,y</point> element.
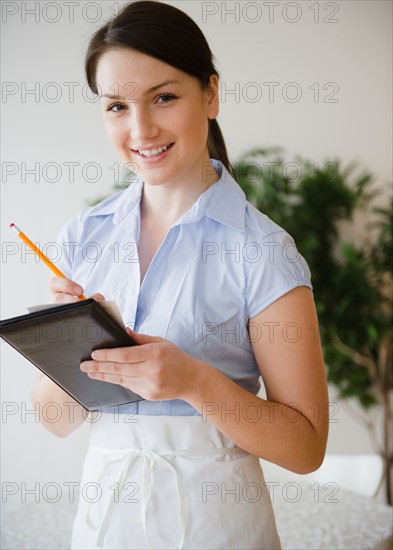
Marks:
<point>153,151</point>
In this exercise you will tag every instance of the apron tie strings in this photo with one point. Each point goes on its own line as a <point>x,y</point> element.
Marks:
<point>150,458</point>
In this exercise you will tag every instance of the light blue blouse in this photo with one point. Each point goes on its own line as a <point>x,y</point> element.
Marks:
<point>220,264</point>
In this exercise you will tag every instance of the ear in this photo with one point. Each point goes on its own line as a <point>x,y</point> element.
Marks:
<point>212,97</point>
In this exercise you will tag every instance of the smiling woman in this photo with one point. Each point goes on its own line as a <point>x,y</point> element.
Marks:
<point>163,128</point>
<point>184,471</point>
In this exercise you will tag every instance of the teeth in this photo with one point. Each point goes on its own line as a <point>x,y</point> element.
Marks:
<point>153,152</point>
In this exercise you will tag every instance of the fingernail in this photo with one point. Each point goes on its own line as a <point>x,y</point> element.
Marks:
<point>78,290</point>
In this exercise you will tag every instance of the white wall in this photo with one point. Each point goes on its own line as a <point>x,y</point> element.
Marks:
<point>353,53</point>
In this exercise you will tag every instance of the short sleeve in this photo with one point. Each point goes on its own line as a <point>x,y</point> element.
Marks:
<point>275,267</point>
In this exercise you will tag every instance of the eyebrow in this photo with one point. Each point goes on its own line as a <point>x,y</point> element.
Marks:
<point>149,91</point>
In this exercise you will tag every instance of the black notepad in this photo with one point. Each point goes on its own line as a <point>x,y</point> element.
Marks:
<point>58,339</point>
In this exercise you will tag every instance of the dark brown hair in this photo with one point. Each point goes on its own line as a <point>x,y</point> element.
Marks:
<point>168,34</point>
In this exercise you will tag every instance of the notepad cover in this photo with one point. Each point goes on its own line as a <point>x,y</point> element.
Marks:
<point>58,339</point>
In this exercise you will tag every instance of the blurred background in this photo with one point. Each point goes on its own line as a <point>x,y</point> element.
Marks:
<point>314,78</point>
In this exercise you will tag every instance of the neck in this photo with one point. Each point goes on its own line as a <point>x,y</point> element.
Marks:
<point>162,205</point>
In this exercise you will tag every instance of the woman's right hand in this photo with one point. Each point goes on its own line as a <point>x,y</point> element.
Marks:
<point>66,291</point>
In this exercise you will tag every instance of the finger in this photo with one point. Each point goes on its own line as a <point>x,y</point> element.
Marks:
<point>119,369</point>
<point>117,379</point>
<point>136,385</point>
<point>66,286</point>
<point>98,297</point>
<point>61,298</point>
<point>133,354</point>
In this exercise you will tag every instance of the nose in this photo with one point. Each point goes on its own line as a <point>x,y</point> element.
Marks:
<point>142,125</point>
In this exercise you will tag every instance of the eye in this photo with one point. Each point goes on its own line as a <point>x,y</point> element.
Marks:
<point>166,98</point>
<point>116,108</point>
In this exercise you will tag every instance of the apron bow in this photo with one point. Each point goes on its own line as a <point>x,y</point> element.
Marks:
<point>150,458</point>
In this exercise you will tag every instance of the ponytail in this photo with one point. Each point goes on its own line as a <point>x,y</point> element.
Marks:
<point>216,145</point>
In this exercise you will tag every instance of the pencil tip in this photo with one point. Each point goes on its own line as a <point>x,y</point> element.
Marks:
<point>12,224</point>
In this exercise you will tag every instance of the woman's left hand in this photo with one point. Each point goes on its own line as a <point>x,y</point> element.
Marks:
<point>155,369</point>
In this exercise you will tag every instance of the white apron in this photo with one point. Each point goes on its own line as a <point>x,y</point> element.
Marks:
<point>165,482</point>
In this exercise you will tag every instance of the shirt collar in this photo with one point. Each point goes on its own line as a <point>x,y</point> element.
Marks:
<point>224,201</point>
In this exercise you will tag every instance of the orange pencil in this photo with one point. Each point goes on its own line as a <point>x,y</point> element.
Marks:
<point>42,256</point>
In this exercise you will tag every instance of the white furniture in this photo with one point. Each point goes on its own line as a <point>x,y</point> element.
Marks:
<point>358,473</point>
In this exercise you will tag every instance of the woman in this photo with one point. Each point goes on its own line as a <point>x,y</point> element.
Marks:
<point>217,296</point>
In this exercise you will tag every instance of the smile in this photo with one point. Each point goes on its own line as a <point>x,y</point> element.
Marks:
<point>153,152</point>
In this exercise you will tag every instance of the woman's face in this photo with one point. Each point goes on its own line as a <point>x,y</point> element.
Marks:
<point>149,106</point>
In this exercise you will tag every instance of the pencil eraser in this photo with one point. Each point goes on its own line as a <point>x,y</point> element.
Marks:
<point>12,224</point>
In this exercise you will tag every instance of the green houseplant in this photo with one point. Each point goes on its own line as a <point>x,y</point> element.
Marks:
<point>352,282</point>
